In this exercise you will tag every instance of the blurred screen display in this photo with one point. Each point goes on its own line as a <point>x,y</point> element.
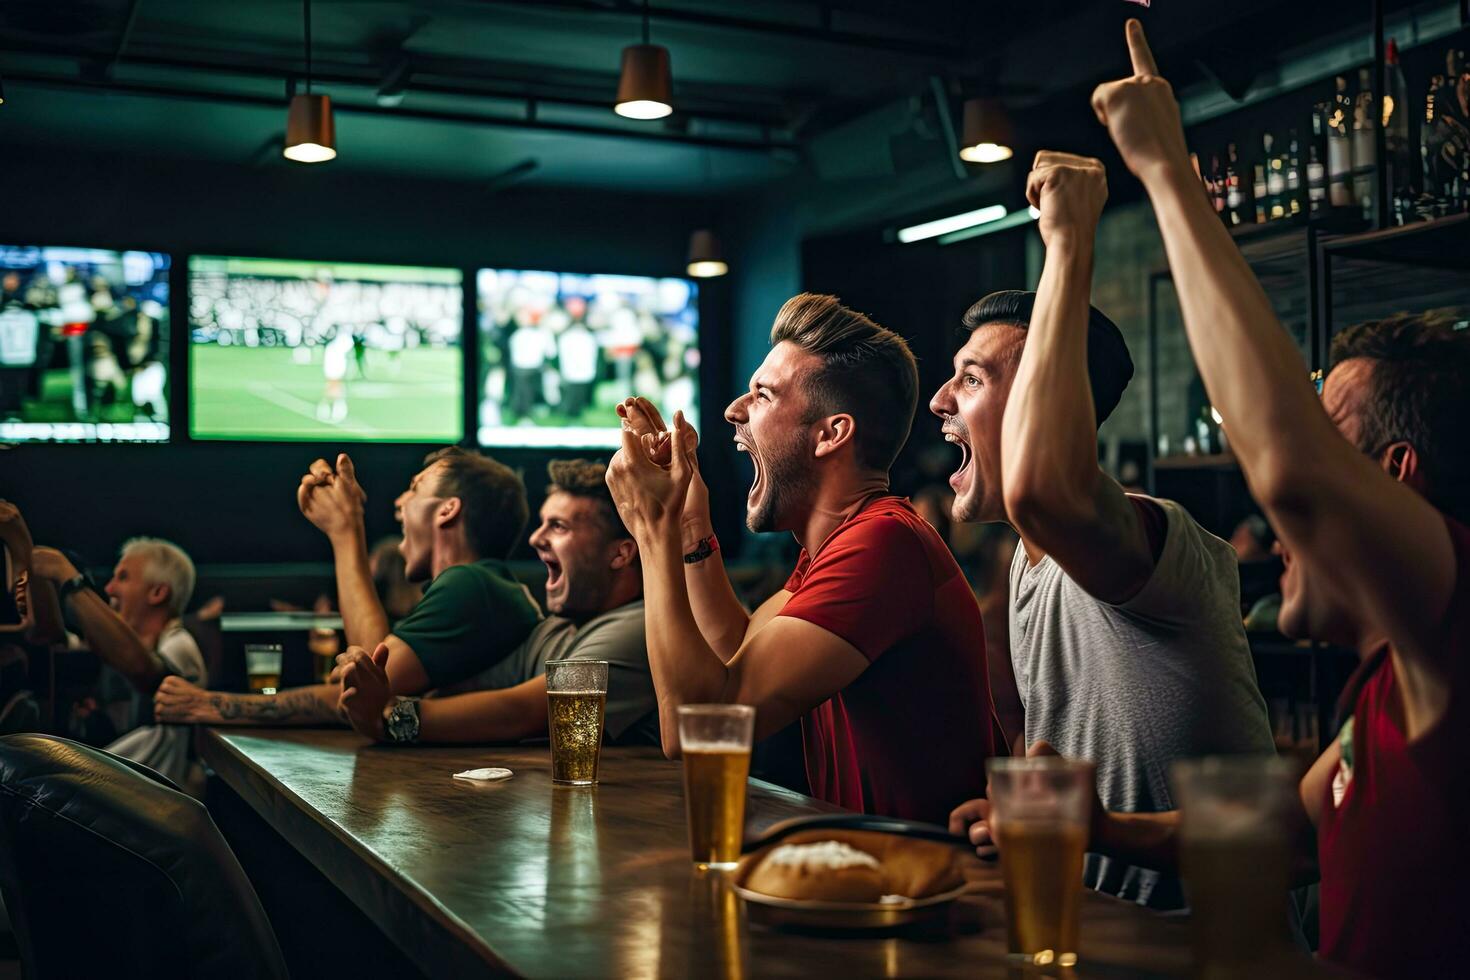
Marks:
<point>83,345</point>
<point>290,350</point>
<point>558,351</point>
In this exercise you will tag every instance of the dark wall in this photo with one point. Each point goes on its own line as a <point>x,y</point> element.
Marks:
<point>235,502</point>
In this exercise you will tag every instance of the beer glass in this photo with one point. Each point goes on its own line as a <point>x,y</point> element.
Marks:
<point>1235,857</point>
<point>1040,808</point>
<point>576,704</point>
<point>263,667</point>
<point>715,742</point>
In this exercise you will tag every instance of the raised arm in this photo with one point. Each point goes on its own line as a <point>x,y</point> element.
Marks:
<point>1361,534</point>
<point>723,621</point>
<point>35,595</point>
<point>108,636</point>
<point>1055,495</point>
<point>333,501</point>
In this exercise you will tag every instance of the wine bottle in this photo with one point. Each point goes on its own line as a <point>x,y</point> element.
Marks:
<point>1398,159</point>
<point>1317,159</point>
<point>1217,187</point>
<point>1293,173</point>
<point>1340,148</point>
<point>1259,191</point>
<point>1275,178</point>
<point>1234,194</point>
<point>1432,134</point>
<point>1365,145</point>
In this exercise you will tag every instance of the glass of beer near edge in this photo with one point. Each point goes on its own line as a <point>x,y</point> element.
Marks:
<point>1040,808</point>
<point>263,667</point>
<point>576,708</point>
<point>715,742</point>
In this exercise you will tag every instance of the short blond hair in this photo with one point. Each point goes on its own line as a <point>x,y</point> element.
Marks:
<point>165,563</point>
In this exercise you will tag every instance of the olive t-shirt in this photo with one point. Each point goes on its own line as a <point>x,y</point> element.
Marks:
<point>470,618</point>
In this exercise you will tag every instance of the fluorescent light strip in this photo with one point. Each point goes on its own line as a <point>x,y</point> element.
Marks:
<point>954,223</point>
<point>1012,220</point>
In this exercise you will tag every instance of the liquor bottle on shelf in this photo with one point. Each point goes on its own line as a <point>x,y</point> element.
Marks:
<point>1431,144</point>
<point>1317,160</point>
<point>1294,201</point>
<point>1216,183</point>
<point>1235,208</point>
<point>1398,159</point>
<point>1340,148</point>
<point>1458,97</point>
<point>1275,178</point>
<point>1259,192</point>
<point>1365,145</point>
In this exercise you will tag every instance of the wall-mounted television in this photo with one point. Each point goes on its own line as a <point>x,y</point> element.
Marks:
<point>83,345</point>
<point>558,351</point>
<point>324,351</point>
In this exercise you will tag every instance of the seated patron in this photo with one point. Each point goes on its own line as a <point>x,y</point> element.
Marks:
<point>1367,490</point>
<point>461,516</point>
<point>594,592</point>
<point>1125,628</point>
<point>872,643</point>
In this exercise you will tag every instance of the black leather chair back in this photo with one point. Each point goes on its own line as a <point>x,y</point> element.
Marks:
<point>108,870</point>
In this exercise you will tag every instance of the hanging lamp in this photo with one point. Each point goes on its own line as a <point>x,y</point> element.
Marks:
<point>311,134</point>
<point>986,133</point>
<point>646,86</point>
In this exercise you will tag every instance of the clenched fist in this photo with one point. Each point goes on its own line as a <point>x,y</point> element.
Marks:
<point>1069,191</point>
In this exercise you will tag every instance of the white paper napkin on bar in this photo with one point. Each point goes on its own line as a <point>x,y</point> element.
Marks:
<point>484,775</point>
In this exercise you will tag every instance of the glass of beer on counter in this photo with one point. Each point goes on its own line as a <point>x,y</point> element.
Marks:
<point>1040,809</point>
<point>576,706</point>
<point>263,667</point>
<point>1235,855</point>
<point>715,741</point>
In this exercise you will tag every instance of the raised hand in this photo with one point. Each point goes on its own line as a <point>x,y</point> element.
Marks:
<point>365,690</point>
<point>1069,191</point>
<point>1141,114</point>
<point>332,499</point>
<point>178,702</point>
<point>649,496</point>
<point>647,424</point>
<point>15,534</point>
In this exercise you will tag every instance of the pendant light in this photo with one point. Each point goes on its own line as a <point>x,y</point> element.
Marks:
<point>646,87</point>
<point>706,258</point>
<point>986,133</point>
<point>311,135</point>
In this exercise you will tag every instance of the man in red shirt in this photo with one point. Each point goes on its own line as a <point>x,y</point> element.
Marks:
<point>1369,489</point>
<point>872,643</point>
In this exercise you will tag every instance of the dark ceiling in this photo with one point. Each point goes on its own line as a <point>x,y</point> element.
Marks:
<point>768,92</point>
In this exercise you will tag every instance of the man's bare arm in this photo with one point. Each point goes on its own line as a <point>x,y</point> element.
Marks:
<point>115,643</point>
<point>333,500</point>
<point>1368,539</point>
<point>486,716</point>
<point>1056,496</point>
<point>316,705</point>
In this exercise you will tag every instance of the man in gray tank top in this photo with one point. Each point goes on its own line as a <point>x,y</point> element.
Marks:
<point>1126,636</point>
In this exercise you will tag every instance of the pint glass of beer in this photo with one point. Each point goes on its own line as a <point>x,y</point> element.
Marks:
<point>1234,853</point>
<point>576,704</point>
<point>263,667</point>
<point>1040,809</point>
<point>715,742</point>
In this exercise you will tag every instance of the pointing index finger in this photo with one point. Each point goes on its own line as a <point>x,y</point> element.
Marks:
<point>1138,49</point>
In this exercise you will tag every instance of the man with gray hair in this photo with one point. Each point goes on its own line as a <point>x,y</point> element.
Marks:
<point>137,631</point>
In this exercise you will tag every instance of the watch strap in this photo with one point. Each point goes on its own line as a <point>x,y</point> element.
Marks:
<point>71,585</point>
<point>706,547</point>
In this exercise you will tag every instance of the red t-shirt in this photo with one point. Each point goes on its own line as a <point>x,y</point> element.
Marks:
<point>908,738</point>
<point>1395,852</point>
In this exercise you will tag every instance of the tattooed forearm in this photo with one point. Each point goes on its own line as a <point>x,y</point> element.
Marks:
<point>303,707</point>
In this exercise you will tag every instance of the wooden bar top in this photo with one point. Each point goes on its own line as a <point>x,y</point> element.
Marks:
<point>528,878</point>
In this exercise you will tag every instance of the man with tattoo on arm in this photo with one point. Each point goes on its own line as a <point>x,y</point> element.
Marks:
<point>461,516</point>
<point>594,594</point>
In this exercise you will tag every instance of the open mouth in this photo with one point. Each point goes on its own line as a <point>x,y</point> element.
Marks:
<point>553,572</point>
<point>960,478</point>
<point>757,484</point>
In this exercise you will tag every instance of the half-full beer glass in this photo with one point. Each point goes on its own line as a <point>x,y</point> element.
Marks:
<point>1039,814</point>
<point>1235,857</point>
<point>263,667</point>
<point>715,741</point>
<point>576,705</point>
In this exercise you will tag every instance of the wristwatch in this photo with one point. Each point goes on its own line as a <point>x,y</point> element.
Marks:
<point>401,721</point>
<point>71,585</point>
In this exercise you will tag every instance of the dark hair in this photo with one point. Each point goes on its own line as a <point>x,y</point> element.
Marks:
<point>493,496</point>
<point>867,372</point>
<point>1417,393</point>
<point>587,479</point>
<point>1109,365</point>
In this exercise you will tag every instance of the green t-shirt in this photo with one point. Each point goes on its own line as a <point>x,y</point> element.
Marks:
<point>469,619</point>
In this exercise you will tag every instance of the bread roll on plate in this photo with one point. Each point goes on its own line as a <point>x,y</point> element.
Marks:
<point>852,866</point>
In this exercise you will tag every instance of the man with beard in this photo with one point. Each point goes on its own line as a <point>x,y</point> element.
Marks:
<point>461,516</point>
<point>871,642</point>
<point>594,592</point>
<point>1367,489</point>
<point>1126,637</point>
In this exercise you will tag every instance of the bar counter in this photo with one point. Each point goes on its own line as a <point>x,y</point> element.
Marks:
<point>523,877</point>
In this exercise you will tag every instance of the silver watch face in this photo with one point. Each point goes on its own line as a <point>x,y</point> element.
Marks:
<point>403,721</point>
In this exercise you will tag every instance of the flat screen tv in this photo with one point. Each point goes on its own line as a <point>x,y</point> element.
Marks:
<point>559,350</point>
<point>324,351</point>
<point>83,345</point>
